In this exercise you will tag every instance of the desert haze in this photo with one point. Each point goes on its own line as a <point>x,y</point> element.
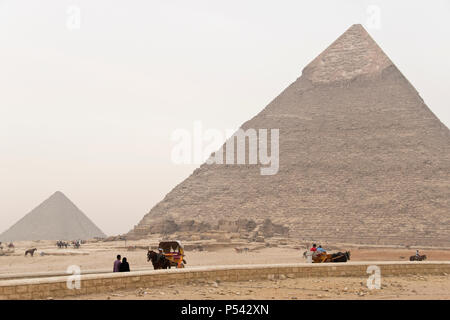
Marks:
<point>358,206</point>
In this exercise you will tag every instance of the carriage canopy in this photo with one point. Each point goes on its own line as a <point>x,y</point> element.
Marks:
<point>171,246</point>
<point>174,252</point>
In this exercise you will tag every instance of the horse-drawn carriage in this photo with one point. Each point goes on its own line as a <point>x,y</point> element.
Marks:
<point>172,255</point>
<point>321,257</point>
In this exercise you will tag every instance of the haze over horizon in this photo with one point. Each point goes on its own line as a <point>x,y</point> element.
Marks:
<point>90,111</point>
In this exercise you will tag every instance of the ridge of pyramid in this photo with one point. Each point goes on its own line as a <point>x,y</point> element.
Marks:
<point>353,54</point>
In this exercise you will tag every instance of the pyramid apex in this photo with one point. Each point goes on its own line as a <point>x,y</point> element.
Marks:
<point>59,194</point>
<point>353,54</point>
<point>357,25</point>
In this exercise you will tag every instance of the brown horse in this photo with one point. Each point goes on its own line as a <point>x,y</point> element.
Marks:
<point>159,261</point>
<point>418,258</point>
<point>339,257</point>
<point>320,257</point>
<point>30,251</point>
<point>334,257</point>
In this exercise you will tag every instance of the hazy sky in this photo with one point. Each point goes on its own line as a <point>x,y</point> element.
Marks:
<point>88,108</point>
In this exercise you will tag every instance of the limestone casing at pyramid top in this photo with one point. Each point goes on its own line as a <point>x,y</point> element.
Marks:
<point>353,54</point>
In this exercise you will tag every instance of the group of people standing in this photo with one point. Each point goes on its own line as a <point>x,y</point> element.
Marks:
<point>121,266</point>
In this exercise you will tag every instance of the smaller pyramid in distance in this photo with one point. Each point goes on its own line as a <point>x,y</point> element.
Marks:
<point>57,218</point>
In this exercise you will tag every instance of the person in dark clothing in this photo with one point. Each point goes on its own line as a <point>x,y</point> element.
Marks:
<point>117,264</point>
<point>160,255</point>
<point>124,266</point>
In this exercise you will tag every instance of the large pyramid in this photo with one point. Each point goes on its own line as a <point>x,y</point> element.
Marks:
<point>57,218</point>
<point>362,159</point>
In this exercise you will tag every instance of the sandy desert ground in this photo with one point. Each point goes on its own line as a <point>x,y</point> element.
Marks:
<point>411,287</point>
<point>100,256</point>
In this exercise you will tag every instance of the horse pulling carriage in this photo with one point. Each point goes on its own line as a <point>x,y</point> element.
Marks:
<point>321,257</point>
<point>171,255</point>
<point>418,258</point>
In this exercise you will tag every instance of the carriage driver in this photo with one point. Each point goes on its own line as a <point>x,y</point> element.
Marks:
<point>320,250</point>
<point>160,255</point>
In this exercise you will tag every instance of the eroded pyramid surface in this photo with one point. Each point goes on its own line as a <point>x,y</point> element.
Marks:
<point>362,159</point>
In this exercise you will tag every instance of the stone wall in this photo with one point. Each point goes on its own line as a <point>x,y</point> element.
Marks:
<point>56,287</point>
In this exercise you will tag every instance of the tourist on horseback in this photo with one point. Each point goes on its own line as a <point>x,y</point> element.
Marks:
<point>417,253</point>
<point>314,248</point>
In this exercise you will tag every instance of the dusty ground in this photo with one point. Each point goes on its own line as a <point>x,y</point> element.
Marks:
<point>101,255</point>
<point>411,287</point>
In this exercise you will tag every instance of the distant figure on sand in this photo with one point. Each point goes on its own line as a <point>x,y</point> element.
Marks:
<point>117,264</point>
<point>30,251</point>
<point>417,257</point>
<point>61,244</point>
<point>124,266</point>
<point>76,244</point>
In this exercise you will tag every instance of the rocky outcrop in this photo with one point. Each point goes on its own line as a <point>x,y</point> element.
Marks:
<point>270,229</point>
<point>223,230</point>
<point>239,225</point>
